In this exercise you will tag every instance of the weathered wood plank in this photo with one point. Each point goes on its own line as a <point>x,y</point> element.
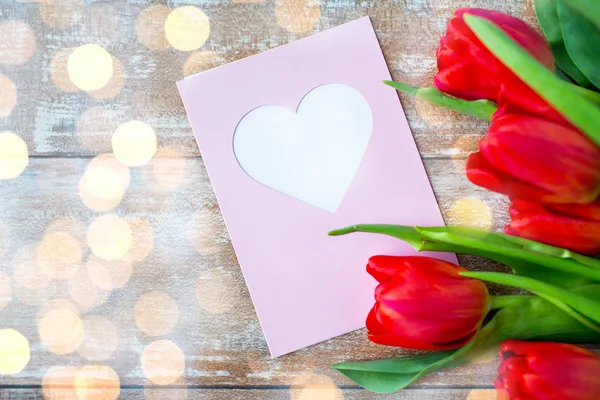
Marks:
<point>49,118</point>
<point>220,336</point>
<point>276,394</point>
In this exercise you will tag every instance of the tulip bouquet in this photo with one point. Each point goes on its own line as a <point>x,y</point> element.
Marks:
<point>543,151</point>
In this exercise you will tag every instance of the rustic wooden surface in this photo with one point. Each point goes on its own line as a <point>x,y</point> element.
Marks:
<point>189,258</point>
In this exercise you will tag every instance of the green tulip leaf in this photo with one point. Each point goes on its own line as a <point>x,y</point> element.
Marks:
<point>587,8</point>
<point>531,318</point>
<point>582,41</point>
<point>584,305</point>
<point>526,257</point>
<point>548,18</point>
<point>578,109</point>
<point>482,109</point>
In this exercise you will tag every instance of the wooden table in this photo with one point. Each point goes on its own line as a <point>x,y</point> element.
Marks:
<point>171,317</point>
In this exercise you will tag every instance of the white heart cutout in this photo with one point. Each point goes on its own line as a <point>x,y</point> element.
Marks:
<point>311,155</point>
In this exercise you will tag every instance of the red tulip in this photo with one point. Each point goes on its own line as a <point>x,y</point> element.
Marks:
<point>467,69</point>
<point>527,157</point>
<point>547,371</point>
<point>423,303</point>
<point>571,226</point>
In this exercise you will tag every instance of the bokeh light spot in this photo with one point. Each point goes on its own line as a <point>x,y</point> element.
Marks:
<point>482,394</point>
<point>470,211</point>
<point>83,291</point>
<point>59,73</point>
<point>58,383</point>
<point>100,340</point>
<point>142,242</point>
<point>134,143</point>
<point>150,27</point>
<point>56,304</point>
<point>201,61</point>
<point>168,168</point>
<point>14,155</point>
<point>163,362</point>
<point>59,255</point>
<point>156,313</point>
<point>297,16</point>
<point>26,270</point>
<point>14,352</point>
<point>314,387</point>
<point>109,274</point>
<point>114,85</point>
<point>73,227</point>
<point>17,44</point>
<point>90,67</point>
<point>97,382</point>
<point>187,28</point>
<point>61,331</point>
<point>109,237</point>
<point>206,231</point>
<point>8,96</point>
<point>61,13</point>
<point>104,183</point>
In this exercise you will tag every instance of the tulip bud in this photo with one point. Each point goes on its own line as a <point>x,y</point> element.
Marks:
<point>423,303</point>
<point>571,226</point>
<point>468,70</point>
<point>533,159</point>
<point>547,371</point>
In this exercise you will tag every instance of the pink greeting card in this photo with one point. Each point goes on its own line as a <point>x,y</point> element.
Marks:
<point>298,141</point>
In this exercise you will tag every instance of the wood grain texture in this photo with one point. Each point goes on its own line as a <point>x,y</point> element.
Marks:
<point>224,347</point>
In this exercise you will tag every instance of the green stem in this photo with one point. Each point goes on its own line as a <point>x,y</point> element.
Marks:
<point>498,302</point>
<point>482,109</point>
<point>582,304</point>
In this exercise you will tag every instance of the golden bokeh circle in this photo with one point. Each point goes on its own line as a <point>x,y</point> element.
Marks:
<point>8,96</point>
<point>134,143</point>
<point>61,331</point>
<point>470,211</point>
<point>114,85</point>
<point>314,387</point>
<point>97,382</point>
<point>56,304</point>
<point>156,313</point>
<point>14,155</point>
<point>59,255</point>
<point>216,292</point>
<point>297,16</point>
<point>60,13</point>
<point>26,270</point>
<point>95,127</point>
<point>100,340</point>
<point>72,226</point>
<point>104,182</point>
<point>5,290</point>
<point>109,237</point>
<point>90,67</point>
<point>109,274</point>
<point>482,394</point>
<point>201,61</point>
<point>83,291</point>
<point>187,28</point>
<point>163,362</point>
<point>14,352</point>
<point>5,239</point>
<point>59,73</point>
<point>17,44</point>
<point>58,383</point>
<point>142,239</point>
<point>150,27</point>
<point>168,168</point>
